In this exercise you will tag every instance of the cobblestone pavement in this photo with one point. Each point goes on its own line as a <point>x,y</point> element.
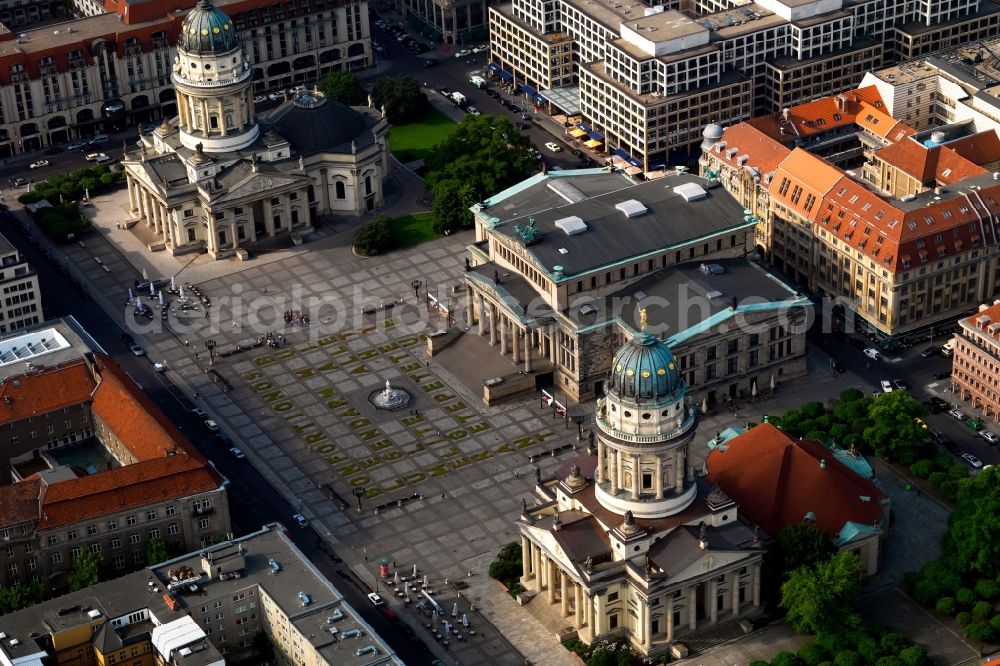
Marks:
<point>301,410</point>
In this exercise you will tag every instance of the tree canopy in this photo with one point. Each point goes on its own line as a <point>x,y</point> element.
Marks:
<point>402,98</point>
<point>343,87</point>
<point>803,544</point>
<point>86,570</point>
<point>156,552</point>
<point>16,597</point>
<point>483,156</point>
<point>823,599</point>
<point>892,432</point>
<point>973,539</point>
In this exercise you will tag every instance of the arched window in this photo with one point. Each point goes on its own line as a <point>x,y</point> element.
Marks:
<point>340,190</point>
<point>368,185</point>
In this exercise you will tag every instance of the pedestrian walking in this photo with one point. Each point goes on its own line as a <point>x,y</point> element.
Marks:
<point>515,473</point>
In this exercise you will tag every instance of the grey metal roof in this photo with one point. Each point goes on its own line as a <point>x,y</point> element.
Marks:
<point>313,124</point>
<point>611,237</point>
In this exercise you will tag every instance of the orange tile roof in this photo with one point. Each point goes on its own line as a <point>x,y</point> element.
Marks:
<point>981,149</point>
<point>44,390</point>
<point>777,480</point>
<point>802,170</point>
<point>763,152</point>
<point>992,314</point>
<point>937,165</point>
<point>818,116</point>
<point>876,121</point>
<point>123,488</point>
<point>133,417</point>
<point>19,502</point>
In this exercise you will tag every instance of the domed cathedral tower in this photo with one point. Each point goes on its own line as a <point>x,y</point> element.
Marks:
<point>644,429</point>
<point>214,83</point>
<point>628,543</point>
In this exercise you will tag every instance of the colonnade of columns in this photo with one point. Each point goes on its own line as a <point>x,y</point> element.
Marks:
<point>613,463</point>
<point>512,336</point>
<point>194,112</point>
<point>149,208</point>
<point>542,573</point>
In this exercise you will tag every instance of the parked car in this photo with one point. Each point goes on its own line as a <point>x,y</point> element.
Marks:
<point>942,375</point>
<point>376,599</point>
<point>92,157</point>
<point>98,139</point>
<point>886,386</point>
<point>920,422</point>
<point>932,407</point>
<point>837,367</point>
<point>938,436</point>
<point>300,520</point>
<point>211,425</point>
<point>975,425</point>
<point>989,436</point>
<point>941,404</point>
<point>957,413</point>
<point>900,384</point>
<point>224,438</point>
<point>137,350</point>
<point>972,460</point>
<point>38,164</point>
<point>54,150</point>
<point>77,145</point>
<point>428,63</point>
<point>930,351</point>
<point>20,181</point>
<point>104,159</point>
<point>873,353</point>
<point>553,146</point>
<point>473,111</point>
<point>237,453</point>
<point>199,412</point>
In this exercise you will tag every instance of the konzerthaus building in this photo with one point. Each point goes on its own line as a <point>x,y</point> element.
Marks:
<point>564,262</point>
<point>646,78</point>
<point>96,73</point>
<point>897,225</point>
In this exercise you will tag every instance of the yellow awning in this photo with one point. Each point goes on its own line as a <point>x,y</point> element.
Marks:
<point>576,133</point>
<point>593,143</point>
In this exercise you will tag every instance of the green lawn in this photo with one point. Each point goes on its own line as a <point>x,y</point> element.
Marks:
<point>411,230</point>
<point>414,141</point>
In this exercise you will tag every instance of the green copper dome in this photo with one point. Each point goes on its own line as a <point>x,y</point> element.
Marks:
<point>207,31</point>
<point>644,369</point>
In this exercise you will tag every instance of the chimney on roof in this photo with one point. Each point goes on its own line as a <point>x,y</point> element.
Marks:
<point>842,103</point>
<point>786,113</point>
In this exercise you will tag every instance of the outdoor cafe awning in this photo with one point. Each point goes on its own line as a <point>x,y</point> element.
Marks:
<point>576,133</point>
<point>593,143</point>
<point>595,135</point>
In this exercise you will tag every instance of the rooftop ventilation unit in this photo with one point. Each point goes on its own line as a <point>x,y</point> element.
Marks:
<point>562,187</point>
<point>185,652</point>
<point>632,208</point>
<point>571,225</point>
<point>337,615</point>
<point>304,598</point>
<point>94,614</point>
<point>588,309</point>
<point>690,191</point>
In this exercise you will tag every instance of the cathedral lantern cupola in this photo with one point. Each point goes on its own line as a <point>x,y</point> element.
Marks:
<point>644,428</point>
<point>214,83</point>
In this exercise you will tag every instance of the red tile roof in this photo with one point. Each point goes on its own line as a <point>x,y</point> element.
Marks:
<point>763,152</point>
<point>938,165</point>
<point>44,390</point>
<point>802,180</point>
<point>123,488</point>
<point>777,480</point>
<point>133,417</point>
<point>818,116</point>
<point>981,149</point>
<point>19,502</point>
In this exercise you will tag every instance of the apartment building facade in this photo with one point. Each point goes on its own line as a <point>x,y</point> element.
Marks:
<point>20,298</point>
<point>449,21</point>
<point>894,224</point>
<point>102,72</point>
<point>975,369</point>
<point>645,80</point>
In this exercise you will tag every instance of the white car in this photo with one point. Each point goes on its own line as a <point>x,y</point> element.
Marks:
<point>886,386</point>
<point>553,146</point>
<point>300,520</point>
<point>463,53</point>
<point>93,157</point>
<point>376,599</point>
<point>473,111</point>
<point>237,453</point>
<point>972,460</point>
<point>989,436</point>
<point>39,164</point>
<point>137,350</point>
<point>873,353</point>
<point>957,413</point>
<point>103,159</point>
<point>211,425</point>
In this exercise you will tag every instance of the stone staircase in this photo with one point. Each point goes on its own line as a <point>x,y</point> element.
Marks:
<point>710,638</point>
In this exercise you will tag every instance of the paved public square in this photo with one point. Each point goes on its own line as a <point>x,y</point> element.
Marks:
<point>443,477</point>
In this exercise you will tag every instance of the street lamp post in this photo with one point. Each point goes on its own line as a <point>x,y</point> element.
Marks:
<point>416,284</point>
<point>359,492</point>
<point>579,420</point>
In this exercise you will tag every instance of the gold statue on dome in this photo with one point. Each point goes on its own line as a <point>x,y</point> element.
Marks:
<point>643,319</point>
